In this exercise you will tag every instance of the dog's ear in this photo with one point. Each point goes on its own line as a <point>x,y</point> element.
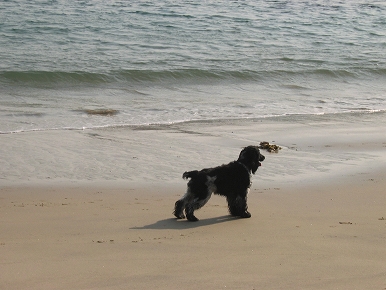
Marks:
<point>249,153</point>
<point>251,157</point>
<point>244,154</point>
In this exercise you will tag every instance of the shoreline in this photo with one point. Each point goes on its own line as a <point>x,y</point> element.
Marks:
<point>313,148</point>
<point>286,118</point>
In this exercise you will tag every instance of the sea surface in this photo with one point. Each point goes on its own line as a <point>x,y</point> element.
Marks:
<point>71,65</point>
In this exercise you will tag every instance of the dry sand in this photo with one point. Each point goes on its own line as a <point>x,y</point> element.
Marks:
<point>318,209</point>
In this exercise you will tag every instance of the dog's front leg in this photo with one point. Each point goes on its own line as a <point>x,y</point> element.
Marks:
<point>237,205</point>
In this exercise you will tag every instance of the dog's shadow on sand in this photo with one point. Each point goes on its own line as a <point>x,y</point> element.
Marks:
<point>175,224</point>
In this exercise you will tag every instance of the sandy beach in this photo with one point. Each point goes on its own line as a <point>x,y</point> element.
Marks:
<point>93,209</point>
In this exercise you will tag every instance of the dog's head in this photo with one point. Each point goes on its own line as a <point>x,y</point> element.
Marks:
<point>250,156</point>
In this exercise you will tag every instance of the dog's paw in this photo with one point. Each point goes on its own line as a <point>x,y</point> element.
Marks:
<point>192,218</point>
<point>180,216</point>
<point>245,215</point>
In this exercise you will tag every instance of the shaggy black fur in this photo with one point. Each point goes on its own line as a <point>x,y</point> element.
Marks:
<point>231,180</point>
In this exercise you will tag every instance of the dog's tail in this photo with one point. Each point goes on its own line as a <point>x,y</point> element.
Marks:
<point>189,174</point>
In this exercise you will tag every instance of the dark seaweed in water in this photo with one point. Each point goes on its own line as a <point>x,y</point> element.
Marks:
<point>102,112</point>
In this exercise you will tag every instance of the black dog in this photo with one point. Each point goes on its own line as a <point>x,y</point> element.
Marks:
<point>232,180</point>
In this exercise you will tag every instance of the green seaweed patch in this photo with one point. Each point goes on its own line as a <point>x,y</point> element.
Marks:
<point>269,147</point>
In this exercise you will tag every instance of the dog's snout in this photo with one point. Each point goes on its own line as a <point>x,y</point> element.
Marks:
<point>262,157</point>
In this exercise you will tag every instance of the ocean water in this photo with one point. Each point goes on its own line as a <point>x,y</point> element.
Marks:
<point>91,64</point>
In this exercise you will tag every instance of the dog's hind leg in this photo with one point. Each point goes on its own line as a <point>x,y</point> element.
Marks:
<point>189,210</point>
<point>200,197</point>
<point>179,209</point>
<point>197,203</point>
<point>180,204</point>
